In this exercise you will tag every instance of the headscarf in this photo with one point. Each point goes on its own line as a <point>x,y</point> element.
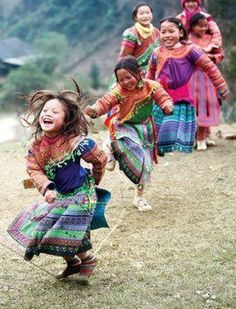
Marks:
<point>189,14</point>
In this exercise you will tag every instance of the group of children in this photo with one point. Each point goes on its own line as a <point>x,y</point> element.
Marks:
<point>150,112</point>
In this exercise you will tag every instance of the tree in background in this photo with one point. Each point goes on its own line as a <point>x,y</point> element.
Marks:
<point>224,12</point>
<point>94,75</point>
<point>21,82</point>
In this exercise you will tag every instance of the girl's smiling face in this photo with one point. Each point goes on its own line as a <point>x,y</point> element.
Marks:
<point>170,34</point>
<point>144,16</point>
<point>201,27</point>
<point>191,5</point>
<point>51,118</point>
<point>126,79</point>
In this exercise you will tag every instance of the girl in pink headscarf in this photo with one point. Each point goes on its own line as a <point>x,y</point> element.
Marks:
<point>190,8</point>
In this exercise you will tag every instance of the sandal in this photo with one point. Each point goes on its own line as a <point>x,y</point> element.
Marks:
<point>110,166</point>
<point>87,266</point>
<point>141,204</point>
<point>73,267</point>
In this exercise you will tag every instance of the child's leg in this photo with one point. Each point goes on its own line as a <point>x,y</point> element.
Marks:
<point>76,264</point>
<point>106,146</point>
<point>201,133</point>
<point>201,138</point>
<point>139,200</point>
<point>88,263</point>
<point>140,190</point>
<point>73,267</point>
<point>209,141</point>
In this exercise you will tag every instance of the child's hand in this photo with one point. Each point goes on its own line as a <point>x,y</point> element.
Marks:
<point>225,95</point>
<point>168,109</point>
<point>50,196</point>
<point>91,112</point>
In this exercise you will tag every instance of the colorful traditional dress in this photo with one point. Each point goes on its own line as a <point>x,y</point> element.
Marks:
<point>173,68</point>
<point>138,41</point>
<point>131,127</point>
<point>206,98</point>
<point>140,44</point>
<point>214,31</point>
<point>62,227</point>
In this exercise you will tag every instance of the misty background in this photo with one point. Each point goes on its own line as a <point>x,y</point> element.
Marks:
<point>43,41</point>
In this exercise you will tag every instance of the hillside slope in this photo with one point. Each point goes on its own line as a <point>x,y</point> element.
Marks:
<point>92,28</point>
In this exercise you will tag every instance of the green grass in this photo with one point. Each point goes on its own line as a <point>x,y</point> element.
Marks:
<point>180,255</point>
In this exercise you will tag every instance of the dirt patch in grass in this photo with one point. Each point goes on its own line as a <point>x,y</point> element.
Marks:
<point>180,255</point>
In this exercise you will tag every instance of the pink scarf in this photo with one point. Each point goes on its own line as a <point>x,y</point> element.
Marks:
<point>189,14</point>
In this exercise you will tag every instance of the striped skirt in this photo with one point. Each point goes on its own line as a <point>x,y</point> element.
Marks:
<point>206,100</point>
<point>60,228</point>
<point>134,149</point>
<point>175,132</point>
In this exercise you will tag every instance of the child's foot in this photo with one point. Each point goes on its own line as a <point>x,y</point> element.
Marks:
<point>210,142</point>
<point>73,267</point>
<point>201,145</point>
<point>111,164</point>
<point>87,266</point>
<point>28,256</point>
<point>141,204</point>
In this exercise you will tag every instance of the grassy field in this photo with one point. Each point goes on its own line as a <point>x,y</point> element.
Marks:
<point>180,255</point>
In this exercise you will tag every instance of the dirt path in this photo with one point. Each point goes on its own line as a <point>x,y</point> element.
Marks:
<point>8,124</point>
<point>180,255</point>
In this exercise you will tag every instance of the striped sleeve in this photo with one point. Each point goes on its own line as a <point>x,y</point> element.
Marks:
<point>105,104</point>
<point>152,67</point>
<point>160,96</point>
<point>129,41</point>
<point>40,180</point>
<point>97,157</point>
<point>213,73</point>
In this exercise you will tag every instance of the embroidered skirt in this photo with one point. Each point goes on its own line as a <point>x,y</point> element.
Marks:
<point>206,100</point>
<point>60,228</point>
<point>175,132</point>
<point>134,149</point>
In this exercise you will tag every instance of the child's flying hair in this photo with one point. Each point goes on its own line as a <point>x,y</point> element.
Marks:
<point>75,122</point>
<point>179,25</point>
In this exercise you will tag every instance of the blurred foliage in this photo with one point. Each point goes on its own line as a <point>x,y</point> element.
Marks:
<point>52,43</point>
<point>57,27</point>
<point>73,18</point>
<point>224,13</point>
<point>94,75</point>
<point>23,81</point>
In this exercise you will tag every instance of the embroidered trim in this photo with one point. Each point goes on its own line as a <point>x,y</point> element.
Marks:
<point>78,150</point>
